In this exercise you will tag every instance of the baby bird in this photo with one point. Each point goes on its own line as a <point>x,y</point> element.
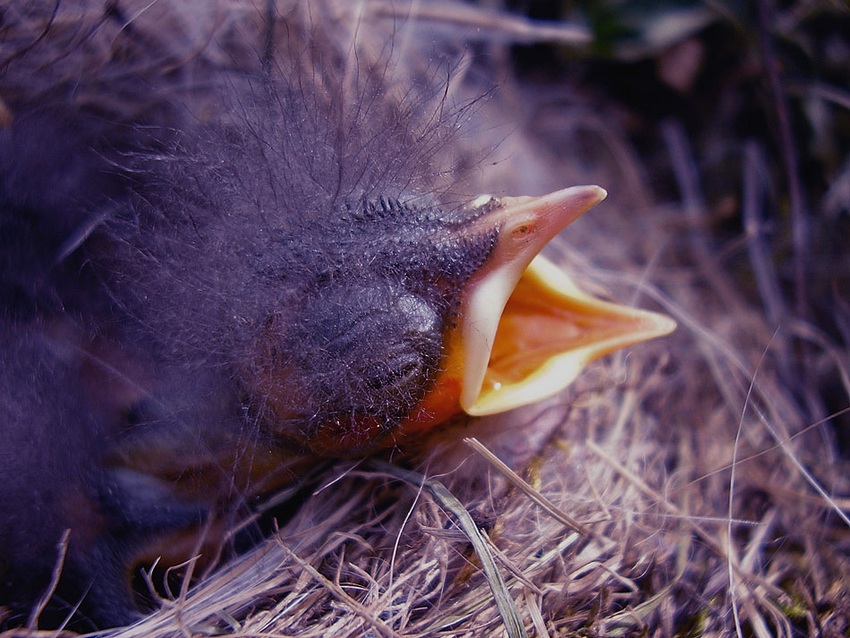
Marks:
<point>202,295</point>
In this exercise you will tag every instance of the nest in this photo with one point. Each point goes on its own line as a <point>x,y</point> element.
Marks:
<point>695,485</point>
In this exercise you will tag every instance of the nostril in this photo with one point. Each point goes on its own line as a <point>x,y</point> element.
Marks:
<point>522,231</point>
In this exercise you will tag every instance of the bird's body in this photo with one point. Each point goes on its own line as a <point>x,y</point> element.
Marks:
<point>200,292</point>
<point>154,267</point>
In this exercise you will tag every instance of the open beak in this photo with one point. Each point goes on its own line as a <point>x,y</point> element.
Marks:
<point>548,332</point>
<point>525,330</point>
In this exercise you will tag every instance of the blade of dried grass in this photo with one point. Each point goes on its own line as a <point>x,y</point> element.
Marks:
<point>800,222</point>
<point>730,563</point>
<point>488,25</point>
<point>548,506</point>
<point>789,453</point>
<point>340,594</point>
<point>763,266</point>
<point>809,332</point>
<point>532,603</point>
<point>225,594</point>
<point>627,621</point>
<point>707,537</point>
<point>62,547</point>
<point>693,205</point>
<point>501,595</point>
<point>834,94</point>
<point>634,618</point>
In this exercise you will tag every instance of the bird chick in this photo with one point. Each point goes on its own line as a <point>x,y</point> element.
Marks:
<point>196,302</point>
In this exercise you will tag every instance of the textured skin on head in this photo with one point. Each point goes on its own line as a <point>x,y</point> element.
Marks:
<point>243,245</point>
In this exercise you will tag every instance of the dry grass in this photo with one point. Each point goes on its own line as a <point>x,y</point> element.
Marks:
<point>692,486</point>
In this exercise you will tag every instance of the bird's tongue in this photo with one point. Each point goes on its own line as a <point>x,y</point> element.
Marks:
<point>525,330</point>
